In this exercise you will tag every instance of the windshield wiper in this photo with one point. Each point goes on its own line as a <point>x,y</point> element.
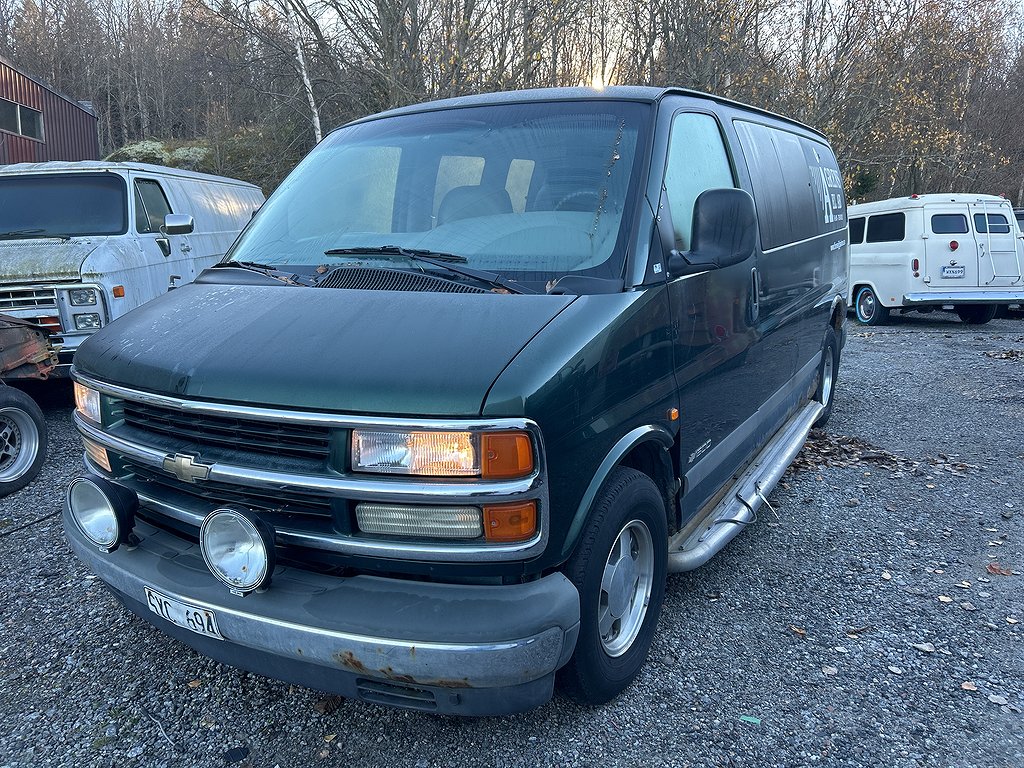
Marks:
<point>269,270</point>
<point>446,261</point>
<point>21,232</point>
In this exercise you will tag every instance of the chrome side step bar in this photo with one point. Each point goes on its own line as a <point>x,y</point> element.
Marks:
<point>691,548</point>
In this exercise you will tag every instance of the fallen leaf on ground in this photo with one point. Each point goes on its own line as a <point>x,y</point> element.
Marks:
<point>1002,701</point>
<point>194,683</point>
<point>829,670</point>
<point>330,737</point>
<point>895,670</point>
<point>1010,620</point>
<point>923,647</point>
<point>886,575</point>
<point>945,599</point>
<point>998,570</point>
<point>968,685</point>
<point>798,630</point>
<point>328,705</point>
<point>968,606</point>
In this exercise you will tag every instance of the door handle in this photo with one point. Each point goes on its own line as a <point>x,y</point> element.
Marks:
<point>755,295</point>
<point>185,247</point>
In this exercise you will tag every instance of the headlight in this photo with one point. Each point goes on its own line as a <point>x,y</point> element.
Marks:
<point>238,548</point>
<point>89,322</point>
<point>87,402</point>
<point>103,511</point>
<point>491,455</point>
<point>82,297</point>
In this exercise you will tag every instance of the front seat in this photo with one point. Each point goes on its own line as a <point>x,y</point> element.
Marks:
<point>471,201</point>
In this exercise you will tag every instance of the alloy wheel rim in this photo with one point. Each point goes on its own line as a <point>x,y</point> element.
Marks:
<point>827,377</point>
<point>625,588</point>
<point>19,441</point>
<point>866,305</point>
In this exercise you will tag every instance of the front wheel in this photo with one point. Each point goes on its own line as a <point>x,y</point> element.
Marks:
<point>975,314</point>
<point>619,569</point>
<point>22,440</point>
<point>869,310</point>
<point>828,375</point>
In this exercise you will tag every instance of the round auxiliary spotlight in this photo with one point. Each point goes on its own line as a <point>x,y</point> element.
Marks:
<point>103,511</point>
<point>238,548</point>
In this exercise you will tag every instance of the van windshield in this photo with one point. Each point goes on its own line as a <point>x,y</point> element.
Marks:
<point>51,205</point>
<point>531,191</point>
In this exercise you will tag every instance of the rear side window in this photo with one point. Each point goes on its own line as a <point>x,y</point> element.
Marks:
<point>997,224</point>
<point>697,161</point>
<point>949,224</point>
<point>857,230</point>
<point>887,228</point>
<point>150,206</point>
<point>798,188</point>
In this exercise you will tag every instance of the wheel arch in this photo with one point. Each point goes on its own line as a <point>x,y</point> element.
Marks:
<point>647,449</point>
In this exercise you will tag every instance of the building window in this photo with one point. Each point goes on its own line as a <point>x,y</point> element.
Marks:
<point>21,120</point>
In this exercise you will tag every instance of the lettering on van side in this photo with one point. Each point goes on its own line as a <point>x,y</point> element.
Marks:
<point>832,197</point>
<point>699,452</point>
<point>837,245</point>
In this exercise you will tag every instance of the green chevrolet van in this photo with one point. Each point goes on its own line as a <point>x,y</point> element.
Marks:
<point>476,377</point>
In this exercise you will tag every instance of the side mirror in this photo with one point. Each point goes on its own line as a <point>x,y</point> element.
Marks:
<point>723,234</point>
<point>178,224</point>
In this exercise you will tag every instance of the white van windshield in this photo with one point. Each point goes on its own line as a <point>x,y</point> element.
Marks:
<point>531,191</point>
<point>51,205</point>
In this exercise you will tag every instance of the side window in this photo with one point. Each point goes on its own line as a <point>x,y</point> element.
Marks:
<point>997,224</point>
<point>887,228</point>
<point>857,230</point>
<point>697,161</point>
<point>150,206</point>
<point>949,224</point>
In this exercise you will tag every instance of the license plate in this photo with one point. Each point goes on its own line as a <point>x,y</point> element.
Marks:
<point>953,271</point>
<point>202,621</point>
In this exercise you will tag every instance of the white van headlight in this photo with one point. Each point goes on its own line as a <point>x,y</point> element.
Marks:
<point>87,402</point>
<point>82,297</point>
<point>89,322</point>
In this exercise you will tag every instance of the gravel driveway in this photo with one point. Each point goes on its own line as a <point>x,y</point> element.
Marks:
<point>877,619</point>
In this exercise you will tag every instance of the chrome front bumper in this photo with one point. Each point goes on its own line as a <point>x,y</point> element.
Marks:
<point>964,297</point>
<point>462,649</point>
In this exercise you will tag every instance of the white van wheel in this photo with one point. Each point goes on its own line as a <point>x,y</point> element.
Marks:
<point>869,310</point>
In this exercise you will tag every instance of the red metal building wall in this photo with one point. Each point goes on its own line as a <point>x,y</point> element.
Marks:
<point>69,131</point>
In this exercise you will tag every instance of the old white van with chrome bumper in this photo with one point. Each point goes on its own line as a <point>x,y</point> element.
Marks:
<point>927,252</point>
<point>83,243</point>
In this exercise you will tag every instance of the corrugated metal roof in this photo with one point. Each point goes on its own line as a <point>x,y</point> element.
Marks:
<point>41,84</point>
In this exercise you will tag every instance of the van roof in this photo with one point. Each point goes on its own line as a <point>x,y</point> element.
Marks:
<point>920,201</point>
<point>649,94</point>
<point>81,166</point>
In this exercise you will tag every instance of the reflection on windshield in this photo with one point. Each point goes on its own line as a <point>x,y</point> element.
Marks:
<point>51,205</point>
<point>530,191</point>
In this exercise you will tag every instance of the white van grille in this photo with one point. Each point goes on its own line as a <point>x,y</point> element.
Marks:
<point>28,298</point>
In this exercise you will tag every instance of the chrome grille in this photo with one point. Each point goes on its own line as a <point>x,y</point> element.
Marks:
<point>28,298</point>
<point>271,438</point>
<point>211,493</point>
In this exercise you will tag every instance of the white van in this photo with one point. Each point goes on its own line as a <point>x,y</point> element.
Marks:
<point>927,252</point>
<point>83,243</point>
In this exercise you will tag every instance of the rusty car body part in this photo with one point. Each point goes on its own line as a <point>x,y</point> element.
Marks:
<point>26,351</point>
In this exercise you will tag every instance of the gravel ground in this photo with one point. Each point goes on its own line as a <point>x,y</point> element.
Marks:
<point>794,647</point>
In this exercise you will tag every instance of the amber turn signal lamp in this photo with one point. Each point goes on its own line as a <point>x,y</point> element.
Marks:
<point>510,522</point>
<point>118,291</point>
<point>505,454</point>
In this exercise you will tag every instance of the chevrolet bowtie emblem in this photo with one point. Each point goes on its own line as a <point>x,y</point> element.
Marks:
<point>186,468</point>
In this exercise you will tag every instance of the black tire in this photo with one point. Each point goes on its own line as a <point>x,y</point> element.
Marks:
<point>828,377</point>
<point>868,309</point>
<point>630,504</point>
<point>975,314</point>
<point>22,440</point>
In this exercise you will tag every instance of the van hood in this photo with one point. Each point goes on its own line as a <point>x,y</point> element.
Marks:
<point>354,351</point>
<point>42,260</point>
